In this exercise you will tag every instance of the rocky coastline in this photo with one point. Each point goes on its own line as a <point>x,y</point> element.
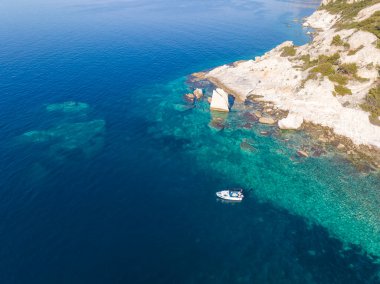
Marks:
<point>294,91</point>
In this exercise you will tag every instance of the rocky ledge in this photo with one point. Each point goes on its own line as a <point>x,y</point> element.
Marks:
<point>333,81</point>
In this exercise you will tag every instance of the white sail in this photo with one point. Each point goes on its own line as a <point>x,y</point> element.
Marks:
<point>219,100</point>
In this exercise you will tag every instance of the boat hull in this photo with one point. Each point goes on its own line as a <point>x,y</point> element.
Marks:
<point>225,195</point>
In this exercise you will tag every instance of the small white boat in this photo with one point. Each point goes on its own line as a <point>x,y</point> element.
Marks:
<point>232,195</point>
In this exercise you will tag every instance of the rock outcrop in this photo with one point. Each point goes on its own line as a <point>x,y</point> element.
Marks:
<point>198,93</point>
<point>219,101</point>
<point>324,82</point>
<point>292,121</point>
<point>267,120</point>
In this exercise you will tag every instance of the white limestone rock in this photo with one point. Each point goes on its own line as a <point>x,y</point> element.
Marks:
<point>367,12</point>
<point>279,80</point>
<point>292,121</point>
<point>198,93</point>
<point>322,20</point>
<point>219,100</point>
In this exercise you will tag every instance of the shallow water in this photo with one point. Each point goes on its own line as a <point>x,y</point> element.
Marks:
<point>121,189</point>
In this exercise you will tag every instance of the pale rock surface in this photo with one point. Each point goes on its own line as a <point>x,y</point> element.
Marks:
<point>267,120</point>
<point>367,12</point>
<point>198,93</point>
<point>322,20</point>
<point>279,80</point>
<point>219,100</point>
<point>292,121</point>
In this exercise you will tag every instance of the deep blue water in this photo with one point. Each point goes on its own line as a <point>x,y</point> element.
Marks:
<point>122,191</point>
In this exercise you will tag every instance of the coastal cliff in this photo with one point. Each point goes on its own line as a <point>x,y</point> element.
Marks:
<point>333,81</point>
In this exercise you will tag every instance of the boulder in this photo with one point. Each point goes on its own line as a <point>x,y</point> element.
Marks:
<point>251,117</point>
<point>189,98</point>
<point>254,98</point>
<point>217,123</point>
<point>302,153</point>
<point>341,146</point>
<point>219,101</point>
<point>267,120</point>
<point>245,146</point>
<point>209,100</point>
<point>198,93</point>
<point>323,139</point>
<point>292,121</point>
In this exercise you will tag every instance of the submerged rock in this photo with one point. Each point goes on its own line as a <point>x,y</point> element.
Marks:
<point>302,153</point>
<point>87,137</point>
<point>250,117</point>
<point>182,107</point>
<point>267,120</point>
<point>190,98</point>
<point>247,125</point>
<point>246,145</point>
<point>217,124</point>
<point>69,106</point>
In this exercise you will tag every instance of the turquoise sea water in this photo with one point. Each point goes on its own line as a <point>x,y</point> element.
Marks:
<point>120,186</point>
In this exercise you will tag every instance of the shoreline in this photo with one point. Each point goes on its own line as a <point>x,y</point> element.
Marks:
<point>276,80</point>
<point>361,156</point>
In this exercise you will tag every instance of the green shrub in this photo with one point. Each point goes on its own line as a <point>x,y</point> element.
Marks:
<point>372,102</point>
<point>288,51</point>
<point>337,41</point>
<point>348,69</point>
<point>370,25</point>
<point>307,62</point>
<point>305,58</point>
<point>338,78</point>
<point>333,59</point>
<point>310,76</point>
<point>326,69</point>
<point>354,51</point>
<point>342,90</point>
<point>348,11</point>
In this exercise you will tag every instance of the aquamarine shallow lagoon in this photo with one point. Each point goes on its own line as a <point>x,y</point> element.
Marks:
<point>108,176</point>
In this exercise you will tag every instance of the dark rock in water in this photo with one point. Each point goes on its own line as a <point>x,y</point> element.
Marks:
<point>250,117</point>
<point>247,125</point>
<point>217,123</point>
<point>246,145</point>
<point>183,108</point>
<point>318,151</point>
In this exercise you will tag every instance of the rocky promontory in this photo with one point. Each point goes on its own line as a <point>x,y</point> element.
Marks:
<point>333,81</point>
